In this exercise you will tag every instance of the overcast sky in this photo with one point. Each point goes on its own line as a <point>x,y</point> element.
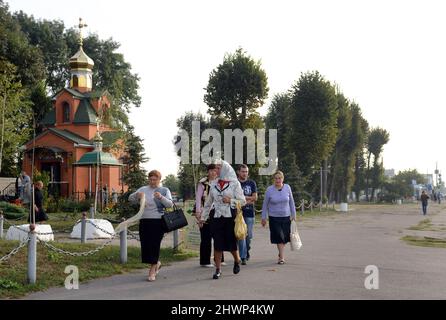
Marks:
<point>388,56</point>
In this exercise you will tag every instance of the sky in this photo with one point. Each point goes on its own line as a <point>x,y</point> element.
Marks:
<point>387,56</point>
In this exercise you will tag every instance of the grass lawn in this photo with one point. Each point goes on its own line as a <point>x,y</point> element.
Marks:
<point>51,265</point>
<point>425,241</point>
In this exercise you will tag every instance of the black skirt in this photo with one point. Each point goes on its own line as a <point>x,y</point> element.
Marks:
<point>151,233</point>
<point>222,231</point>
<point>280,229</point>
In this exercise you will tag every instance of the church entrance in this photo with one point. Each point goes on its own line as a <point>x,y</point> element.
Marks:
<point>55,187</point>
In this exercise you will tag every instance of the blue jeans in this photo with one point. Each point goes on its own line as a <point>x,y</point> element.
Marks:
<point>245,245</point>
<point>424,206</point>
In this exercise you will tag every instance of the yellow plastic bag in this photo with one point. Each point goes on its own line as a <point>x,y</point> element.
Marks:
<point>240,228</point>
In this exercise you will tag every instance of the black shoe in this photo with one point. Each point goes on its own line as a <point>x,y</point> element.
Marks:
<point>244,262</point>
<point>217,274</point>
<point>236,268</point>
<point>247,255</point>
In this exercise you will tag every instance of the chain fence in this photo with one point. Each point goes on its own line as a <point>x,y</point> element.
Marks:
<point>15,251</point>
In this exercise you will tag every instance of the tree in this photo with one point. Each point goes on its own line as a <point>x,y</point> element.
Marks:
<point>278,118</point>
<point>350,139</point>
<point>313,117</point>
<point>135,176</point>
<point>188,173</point>
<point>376,140</point>
<point>172,182</point>
<point>236,89</point>
<point>14,113</point>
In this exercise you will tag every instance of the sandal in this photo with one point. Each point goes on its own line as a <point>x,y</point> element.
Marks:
<point>151,278</point>
<point>281,261</point>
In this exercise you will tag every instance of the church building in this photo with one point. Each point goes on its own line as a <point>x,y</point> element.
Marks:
<point>75,146</point>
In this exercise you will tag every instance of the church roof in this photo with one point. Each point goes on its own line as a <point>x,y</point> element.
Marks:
<point>98,157</point>
<point>85,113</point>
<point>80,60</point>
<point>50,118</point>
<point>70,136</point>
<point>81,95</point>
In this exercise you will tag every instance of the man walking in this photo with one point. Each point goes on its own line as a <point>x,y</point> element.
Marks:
<point>424,197</point>
<point>249,188</point>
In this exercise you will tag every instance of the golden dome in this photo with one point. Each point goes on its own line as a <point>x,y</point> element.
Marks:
<point>81,61</point>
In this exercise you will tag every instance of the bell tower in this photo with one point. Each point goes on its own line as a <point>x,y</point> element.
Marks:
<point>81,66</point>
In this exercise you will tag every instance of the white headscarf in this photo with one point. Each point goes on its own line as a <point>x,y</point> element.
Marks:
<point>227,173</point>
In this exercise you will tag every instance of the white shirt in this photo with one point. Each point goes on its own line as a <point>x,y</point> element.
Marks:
<point>233,190</point>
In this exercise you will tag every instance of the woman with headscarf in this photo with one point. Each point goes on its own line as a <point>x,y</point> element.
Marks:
<point>224,195</point>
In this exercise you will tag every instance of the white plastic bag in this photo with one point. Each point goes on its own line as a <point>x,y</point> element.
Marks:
<point>295,241</point>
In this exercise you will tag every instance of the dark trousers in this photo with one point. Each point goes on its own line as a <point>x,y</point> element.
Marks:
<point>206,245</point>
<point>151,233</point>
<point>424,206</point>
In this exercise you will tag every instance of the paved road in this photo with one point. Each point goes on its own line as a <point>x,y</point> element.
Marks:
<point>330,265</point>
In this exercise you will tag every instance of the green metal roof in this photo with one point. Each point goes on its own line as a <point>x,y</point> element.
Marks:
<point>85,113</point>
<point>50,118</point>
<point>70,136</point>
<point>95,157</point>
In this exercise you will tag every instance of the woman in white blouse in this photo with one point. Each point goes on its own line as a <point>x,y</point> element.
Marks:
<point>225,192</point>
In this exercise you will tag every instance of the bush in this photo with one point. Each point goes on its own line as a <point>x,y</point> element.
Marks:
<point>125,209</point>
<point>11,211</point>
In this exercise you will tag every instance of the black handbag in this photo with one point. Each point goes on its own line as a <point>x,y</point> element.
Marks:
<point>174,220</point>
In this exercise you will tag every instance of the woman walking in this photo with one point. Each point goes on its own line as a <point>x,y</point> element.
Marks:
<point>224,195</point>
<point>279,207</point>
<point>151,228</point>
<point>202,193</point>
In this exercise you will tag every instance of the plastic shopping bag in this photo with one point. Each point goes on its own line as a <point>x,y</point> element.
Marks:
<point>240,228</point>
<point>295,241</point>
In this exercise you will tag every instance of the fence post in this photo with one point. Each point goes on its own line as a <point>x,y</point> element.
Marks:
<point>175,239</point>
<point>311,206</point>
<point>84,227</point>
<point>1,224</point>
<point>123,244</point>
<point>32,254</point>
<point>302,208</point>
<point>91,211</point>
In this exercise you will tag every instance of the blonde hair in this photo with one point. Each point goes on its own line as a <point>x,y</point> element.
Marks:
<point>155,173</point>
<point>279,173</point>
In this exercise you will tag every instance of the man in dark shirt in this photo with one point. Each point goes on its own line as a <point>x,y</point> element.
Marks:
<point>249,188</point>
<point>38,203</point>
<point>424,197</point>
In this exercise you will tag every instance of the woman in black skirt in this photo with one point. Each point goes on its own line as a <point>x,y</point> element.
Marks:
<point>224,194</point>
<point>279,206</point>
<point>151,228</point>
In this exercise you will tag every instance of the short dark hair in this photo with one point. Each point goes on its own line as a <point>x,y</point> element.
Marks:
<point>242,166</point>
<point>211,167</point>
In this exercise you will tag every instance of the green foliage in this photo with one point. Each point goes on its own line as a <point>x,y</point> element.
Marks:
<point>350,140</point>
<point>11,211</point>
<point>172,182</point>
<point>15,112</point>
<point>376,140</point>
<point>190,174</point>
<point>312,116</point>
<point>236,89</point>
<point>124,208</point>
<point>135,176</point>
<point>400,186</point>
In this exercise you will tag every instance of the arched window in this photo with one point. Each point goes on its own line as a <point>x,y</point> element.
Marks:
<point>75,81</point>
<point>65,112</point>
